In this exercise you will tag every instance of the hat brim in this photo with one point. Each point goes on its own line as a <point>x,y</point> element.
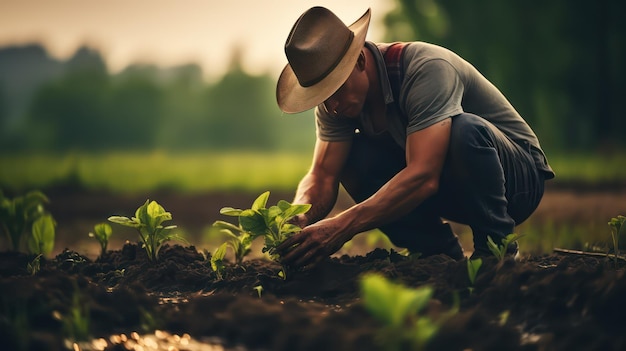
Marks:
<point>294,98</point>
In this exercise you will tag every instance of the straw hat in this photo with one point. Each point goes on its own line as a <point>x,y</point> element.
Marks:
<point>321,51</point>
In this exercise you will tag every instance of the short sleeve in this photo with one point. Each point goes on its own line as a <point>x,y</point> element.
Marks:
<point>433,91</point>
<point>333,128</point>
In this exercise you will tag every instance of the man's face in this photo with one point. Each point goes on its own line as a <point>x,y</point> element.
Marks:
<point>349,99</point>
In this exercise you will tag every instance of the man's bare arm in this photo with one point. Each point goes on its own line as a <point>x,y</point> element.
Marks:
<point>426,153</point>
<point>319,187</point>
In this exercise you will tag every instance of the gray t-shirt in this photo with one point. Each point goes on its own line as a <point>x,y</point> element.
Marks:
<point>437,84</point>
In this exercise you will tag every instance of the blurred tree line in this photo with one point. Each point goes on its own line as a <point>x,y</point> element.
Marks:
<point>560,62</point>
<point>78,105</point>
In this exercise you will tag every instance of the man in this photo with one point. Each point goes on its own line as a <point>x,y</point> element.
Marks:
<point>414,137</point>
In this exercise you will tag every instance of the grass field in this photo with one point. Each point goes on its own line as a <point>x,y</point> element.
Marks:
<point>137,172</point>
<point>188,172</point>
<point>570,223</point>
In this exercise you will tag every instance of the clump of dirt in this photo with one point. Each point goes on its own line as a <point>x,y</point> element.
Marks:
<point>548,302</point>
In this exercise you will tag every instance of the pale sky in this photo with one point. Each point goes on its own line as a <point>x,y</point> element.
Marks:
<point>171,32</point>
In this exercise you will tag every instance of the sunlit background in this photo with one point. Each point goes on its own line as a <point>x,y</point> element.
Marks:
<point>139,96</point>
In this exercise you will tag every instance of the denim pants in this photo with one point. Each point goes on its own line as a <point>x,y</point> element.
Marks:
<point>488,182</point>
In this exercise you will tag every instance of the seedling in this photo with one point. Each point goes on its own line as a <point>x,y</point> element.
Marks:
<point>148,221</point>
<point>259,290</point>
<point>500,250</point>
<point>18,214</point>
<point>76,322</point>
<point>102,232</point>
<point>271,223</point>
<point>472,271</point>
<point>400,310</point>
<point>33,267</point>
<point>41,241</point>
<point>617,229</point>
<point>239,240</point>
<point>217,261</point>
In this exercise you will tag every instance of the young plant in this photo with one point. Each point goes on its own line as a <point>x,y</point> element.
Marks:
<point>102,232</point>
<point>17,216</point>
<point>240,243</point>
<point>617,229</point>
<point>239,240</point>
<point>500,250</point>
<point>399,309</point>
<point>41,241</point>
<point>472,271</point>
<point>270,223</point>
<point>33,267</point>
<point>148,221</point>
<point>217,261</point>
<point>76,322</point>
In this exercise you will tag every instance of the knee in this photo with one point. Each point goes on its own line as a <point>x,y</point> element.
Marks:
<point>467,133</point>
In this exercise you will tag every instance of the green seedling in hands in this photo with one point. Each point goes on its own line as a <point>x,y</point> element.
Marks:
<point>472,271</point>
<point>148,221</point>
<point>617,229</point>
<point>17,216</point>
<point>270,223</point>
<point>400,310</point>
<point>102,232</point>
<point>500,250</point>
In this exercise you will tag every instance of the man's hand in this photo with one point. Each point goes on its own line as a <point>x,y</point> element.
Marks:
<point>312,244</point>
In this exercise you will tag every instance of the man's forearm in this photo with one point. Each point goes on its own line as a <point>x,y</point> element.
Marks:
<point>322,196</point>
<point>396,198</point>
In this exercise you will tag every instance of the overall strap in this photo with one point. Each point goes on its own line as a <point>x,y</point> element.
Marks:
<point>393,54</point>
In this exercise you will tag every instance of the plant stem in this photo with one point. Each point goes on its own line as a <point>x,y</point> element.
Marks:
<point>587,253</point>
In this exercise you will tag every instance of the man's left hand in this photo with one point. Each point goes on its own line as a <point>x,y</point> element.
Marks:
<point>314,243</point>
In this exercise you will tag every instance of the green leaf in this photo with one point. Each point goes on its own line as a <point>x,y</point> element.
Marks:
<point>424,330</point>
<point>472,268</point>
<point>494,248</point>
<point>229,211</point>
<point>283,205</point>
<point>295,210</point>
<point>290,229</point>
<point>134,223</point>
<point>42,240</point>
<point>141,214</point>
<point>217,260</point>
<point>260,201</point>
<point>157,214</point>
<point>622,227</point>
<point>253,222</point>
<point>513,237</point>
<point>390,302</point>
<point>378,297</point>
<point>222,225</point>
<point>103,230</point>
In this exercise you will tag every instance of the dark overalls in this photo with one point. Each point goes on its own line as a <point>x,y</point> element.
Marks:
<point>488,182</point>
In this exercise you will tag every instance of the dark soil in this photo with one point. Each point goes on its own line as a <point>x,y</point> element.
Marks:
<point>541,302</point>
<point>553,302</point>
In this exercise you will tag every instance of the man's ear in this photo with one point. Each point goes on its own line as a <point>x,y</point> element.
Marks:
<point>360,62</point>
